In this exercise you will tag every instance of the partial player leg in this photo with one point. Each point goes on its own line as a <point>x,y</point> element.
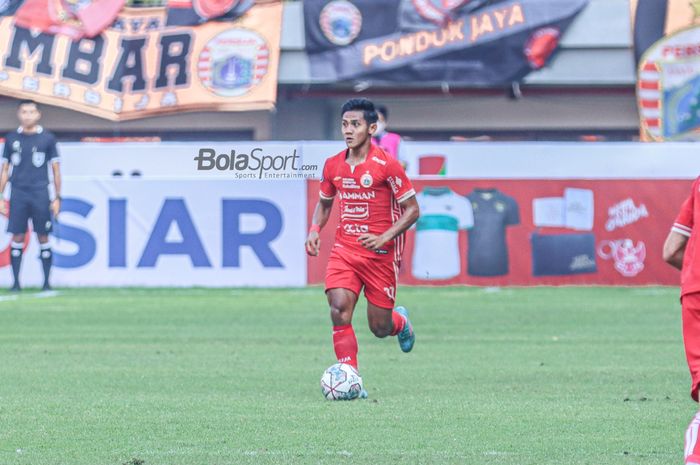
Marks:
<point>41,219</point>
<point>46,259</point>
<point>342,288</point>
<point>692,451</point>
<point>342,304</point>
<point>16,251</point>
<point>20,209</point>
<point>380,278</point>
<point>691,341</point>
<point>385,322</point>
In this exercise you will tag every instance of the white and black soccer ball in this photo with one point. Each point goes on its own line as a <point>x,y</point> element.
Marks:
<point>341,382</point>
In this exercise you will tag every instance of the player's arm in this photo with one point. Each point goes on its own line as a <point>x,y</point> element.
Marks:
<point>4,176</point>
<point>55,168</point>
<point>674,248</point>
<point>410,215</point>
<point>322,211</point>
<point>321,214</point>
<point>56,203</point>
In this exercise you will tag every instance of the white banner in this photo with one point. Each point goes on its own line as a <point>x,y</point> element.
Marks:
<point>485,160</point>
<point>556,160</point>
<point>176,233</point>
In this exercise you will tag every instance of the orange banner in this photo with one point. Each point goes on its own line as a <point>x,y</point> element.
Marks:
<point>138,67</point>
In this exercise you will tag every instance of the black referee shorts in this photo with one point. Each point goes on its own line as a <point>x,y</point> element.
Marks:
<point>26,204</point>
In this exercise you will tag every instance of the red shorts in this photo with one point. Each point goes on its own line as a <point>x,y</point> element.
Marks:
<point>691,338</point>
<point>348,270</point>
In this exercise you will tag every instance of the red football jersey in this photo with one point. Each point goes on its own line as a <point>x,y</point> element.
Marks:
<point>369,195</point>
<point>690,274</point>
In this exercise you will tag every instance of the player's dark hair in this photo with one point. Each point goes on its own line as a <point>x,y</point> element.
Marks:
<point>27,102</point>
<point>363,105</point>
<point>384,111</point>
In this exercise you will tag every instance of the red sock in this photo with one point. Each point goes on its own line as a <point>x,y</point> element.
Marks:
<point>345,344</point>
<point>399,322</point>
<point>692,449</point>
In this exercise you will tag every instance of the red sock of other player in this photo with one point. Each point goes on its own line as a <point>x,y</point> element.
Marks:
<point>399,322</point>
<point>345,344</point>
<point>692,448</point>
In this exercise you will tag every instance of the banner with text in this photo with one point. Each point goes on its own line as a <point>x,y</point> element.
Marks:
<point>477,42</point>
<point>209,232</point>
<point>146,61</point>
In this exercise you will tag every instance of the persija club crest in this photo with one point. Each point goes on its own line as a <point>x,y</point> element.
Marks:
<point>340,22</point>
<point>233,62</point>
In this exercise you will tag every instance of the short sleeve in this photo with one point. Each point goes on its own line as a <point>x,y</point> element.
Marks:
<point>464,212</point>
<point>513,212</point>
<point>6,150</point>
<point>52,151</point>
<point>327,188</point>
<point>684,221</point>
<point>398,181</point>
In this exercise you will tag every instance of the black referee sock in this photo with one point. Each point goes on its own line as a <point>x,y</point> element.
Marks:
<point>46,260</point>
<point>16,260</point>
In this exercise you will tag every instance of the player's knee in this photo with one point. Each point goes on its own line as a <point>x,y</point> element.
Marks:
<point>340,314</point>
<point>380,330</point>
<point>18,237</point>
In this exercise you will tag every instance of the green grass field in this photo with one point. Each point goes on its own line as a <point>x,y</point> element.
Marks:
<point>212,377</point>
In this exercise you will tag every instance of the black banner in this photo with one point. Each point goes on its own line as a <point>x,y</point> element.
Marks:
<point>475,42</point>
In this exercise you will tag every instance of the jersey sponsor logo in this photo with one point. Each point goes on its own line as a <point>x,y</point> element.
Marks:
<point>355,229</point>
<point>625,213</point>
<point>341,22</point>
<point>366,180</point>
<point>349,183</point>
<point>355,211</point>
<point>628,258</point>
<point>357,195</point>
<point>38,158</point>
<point>379,160</point>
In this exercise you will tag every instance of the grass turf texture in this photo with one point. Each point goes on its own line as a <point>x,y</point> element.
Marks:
<point>210,377</point>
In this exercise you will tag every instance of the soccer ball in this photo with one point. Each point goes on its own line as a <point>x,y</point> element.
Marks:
<point>341,382</point>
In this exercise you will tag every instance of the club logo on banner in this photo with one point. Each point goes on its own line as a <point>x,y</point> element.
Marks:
<point>139,62</point>
<point>627,257</point>
<point>668,88</point>
<point>233,62</point>
<point>340,22</point>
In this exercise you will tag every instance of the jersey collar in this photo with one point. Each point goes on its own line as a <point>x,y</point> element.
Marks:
<point>39,130</point>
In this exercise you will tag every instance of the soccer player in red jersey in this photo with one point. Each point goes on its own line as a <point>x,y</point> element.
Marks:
<point>377,205</point>
<point>682,251</point>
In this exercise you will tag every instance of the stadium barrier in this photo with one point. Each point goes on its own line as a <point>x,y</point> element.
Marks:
<point>143,214</point>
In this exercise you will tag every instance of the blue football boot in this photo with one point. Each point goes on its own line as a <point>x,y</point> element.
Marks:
<point>406,337</point>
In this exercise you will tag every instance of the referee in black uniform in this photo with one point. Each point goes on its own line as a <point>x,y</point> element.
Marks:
<point>28,153</point>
